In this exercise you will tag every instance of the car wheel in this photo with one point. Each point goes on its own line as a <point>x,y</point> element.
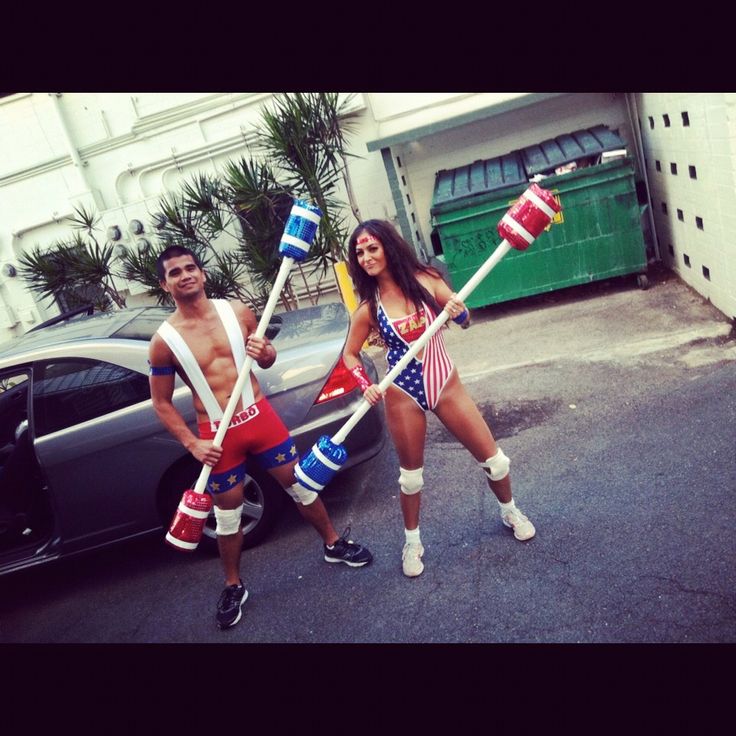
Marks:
<point>263,499</point>
<point>262,505</point>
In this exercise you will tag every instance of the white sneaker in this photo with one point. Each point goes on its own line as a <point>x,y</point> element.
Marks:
<point>523,528</point>
<point>411,559</point>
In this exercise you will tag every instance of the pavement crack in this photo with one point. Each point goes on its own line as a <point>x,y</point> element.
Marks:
<point>729,600</point>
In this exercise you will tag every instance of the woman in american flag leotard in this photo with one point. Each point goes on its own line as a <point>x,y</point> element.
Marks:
<point>426,375</point>
<point>400,298</point>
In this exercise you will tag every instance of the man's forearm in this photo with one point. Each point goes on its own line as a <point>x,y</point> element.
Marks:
<point>175,424</point>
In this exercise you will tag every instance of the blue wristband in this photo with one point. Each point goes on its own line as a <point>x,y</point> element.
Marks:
<point>461,317</point>
<point>166,370</point>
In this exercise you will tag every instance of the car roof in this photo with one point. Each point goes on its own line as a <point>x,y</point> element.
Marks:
<point>304,325</point>
<point>137,323</point>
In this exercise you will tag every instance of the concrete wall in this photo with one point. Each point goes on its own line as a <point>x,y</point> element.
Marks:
<point>118,153</point>
<point>689,142</point>
<point>500,134</point>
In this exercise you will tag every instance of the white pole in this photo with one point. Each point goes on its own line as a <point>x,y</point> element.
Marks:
<point>244,374</point>
<point>440,320</point>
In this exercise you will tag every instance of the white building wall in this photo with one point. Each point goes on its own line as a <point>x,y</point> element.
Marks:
<point>694,209</point>
<point>134,147</point>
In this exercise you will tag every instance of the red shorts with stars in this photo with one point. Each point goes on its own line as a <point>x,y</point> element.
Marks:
<point>256,431</point>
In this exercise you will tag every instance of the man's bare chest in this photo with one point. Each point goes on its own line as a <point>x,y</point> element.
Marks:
<point>208,342</point>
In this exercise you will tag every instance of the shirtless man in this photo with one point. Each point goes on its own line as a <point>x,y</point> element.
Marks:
<point>201,341</point>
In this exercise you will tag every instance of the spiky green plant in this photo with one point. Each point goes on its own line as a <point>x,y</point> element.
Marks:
<point>305,135</point>
<point>261,206</point>
<point>139,265</point>
<point>75,271</point>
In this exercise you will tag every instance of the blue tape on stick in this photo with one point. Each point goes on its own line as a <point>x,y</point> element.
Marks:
<point>301,227</point>
<point>313,467</point>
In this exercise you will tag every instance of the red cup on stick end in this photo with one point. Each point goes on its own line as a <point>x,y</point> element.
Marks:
<point>188,524</point>
<point>528,217</point>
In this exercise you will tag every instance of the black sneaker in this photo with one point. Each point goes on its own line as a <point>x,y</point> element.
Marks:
<point>347,551</point>
<point>230,604</point>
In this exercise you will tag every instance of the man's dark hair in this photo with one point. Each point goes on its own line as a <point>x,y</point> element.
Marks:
<point>174,251</point>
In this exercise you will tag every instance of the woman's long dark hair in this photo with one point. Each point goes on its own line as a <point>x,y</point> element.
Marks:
<point>401,261</point>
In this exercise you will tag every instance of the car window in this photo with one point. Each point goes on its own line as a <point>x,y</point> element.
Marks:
<point>13,405</point>
<point>68,392</point>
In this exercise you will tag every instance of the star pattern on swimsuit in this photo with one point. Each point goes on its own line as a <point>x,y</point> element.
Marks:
<point>410,379</point>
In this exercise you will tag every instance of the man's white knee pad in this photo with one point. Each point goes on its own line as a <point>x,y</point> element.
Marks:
<point>228,520</point>
<point>411,481</point>
<point>496,467</point>
<point>301,495</point>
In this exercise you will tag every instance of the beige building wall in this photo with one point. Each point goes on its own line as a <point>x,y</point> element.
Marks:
<point>118,153</point>
<point>689,142</point>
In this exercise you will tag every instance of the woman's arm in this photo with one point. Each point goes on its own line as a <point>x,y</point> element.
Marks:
<point>446,298</point>
<point>360,327</point>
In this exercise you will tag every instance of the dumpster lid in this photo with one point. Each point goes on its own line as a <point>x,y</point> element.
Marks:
<point>563,149</point>
<point>518,167</point>
<point>478,178</point>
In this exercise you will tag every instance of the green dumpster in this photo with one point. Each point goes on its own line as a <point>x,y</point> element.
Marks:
<point>596,236</point>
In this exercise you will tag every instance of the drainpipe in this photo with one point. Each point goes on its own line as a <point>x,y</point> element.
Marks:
<point>72,149</point>
<point>639,147</point>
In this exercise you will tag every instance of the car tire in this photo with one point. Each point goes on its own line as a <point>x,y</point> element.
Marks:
<point>262,506</point>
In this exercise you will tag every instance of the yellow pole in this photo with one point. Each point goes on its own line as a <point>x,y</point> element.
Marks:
<point>345,284</point>
<point>347,290</point>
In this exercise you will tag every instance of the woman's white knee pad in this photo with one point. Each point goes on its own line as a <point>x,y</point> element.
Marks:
<point>411,481</point>
<point>228,520</point>
<point>496,467</point>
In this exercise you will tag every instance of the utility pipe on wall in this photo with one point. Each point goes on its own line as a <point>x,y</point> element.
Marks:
<point>639,149</point>
<point>188,158</point>
<point>71,148</point>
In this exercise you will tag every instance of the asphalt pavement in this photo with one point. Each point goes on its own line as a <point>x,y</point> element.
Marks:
<point>617,408</point>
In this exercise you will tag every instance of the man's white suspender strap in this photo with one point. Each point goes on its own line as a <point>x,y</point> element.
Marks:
<point>237,345</point>
<point>190,366</point>
<point>234,333</point>
<point>194,373</point>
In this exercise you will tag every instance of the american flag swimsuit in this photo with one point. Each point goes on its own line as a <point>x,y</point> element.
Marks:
<point>422,379</point>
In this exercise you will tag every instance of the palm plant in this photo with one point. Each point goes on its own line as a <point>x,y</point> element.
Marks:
<point>303,139</point>
<point>226,276</point>
<point>195,218</point>
<point>262,206</point>
<point>305,135</point>
<point>140,266</point>
<point>76,271</point>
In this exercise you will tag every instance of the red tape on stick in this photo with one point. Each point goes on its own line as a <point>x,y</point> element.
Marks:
<point>527,219</point>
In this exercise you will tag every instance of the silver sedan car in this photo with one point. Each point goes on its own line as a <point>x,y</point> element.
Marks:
<point>85,462</point>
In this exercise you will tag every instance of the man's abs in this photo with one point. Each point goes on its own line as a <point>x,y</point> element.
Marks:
<point>223,391</point>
